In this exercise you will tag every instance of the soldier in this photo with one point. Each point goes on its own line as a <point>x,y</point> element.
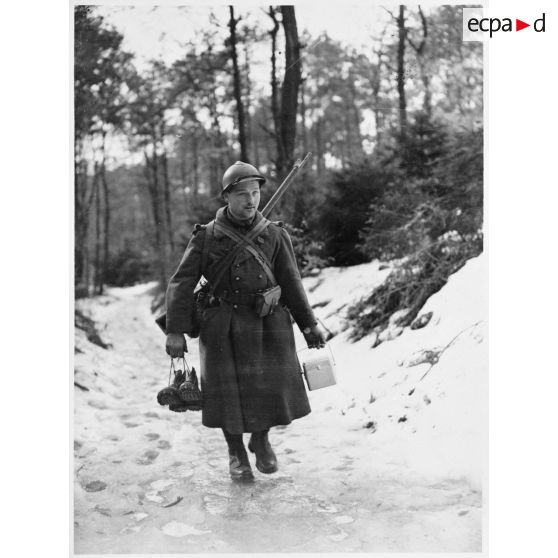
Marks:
<point>250,375</point>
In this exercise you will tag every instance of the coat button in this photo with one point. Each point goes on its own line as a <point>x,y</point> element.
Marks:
<point>236,291</point>
<point>235,305</point>
<point>260,276</point>
<point>237,278</point>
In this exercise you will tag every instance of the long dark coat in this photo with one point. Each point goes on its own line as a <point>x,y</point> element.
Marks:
<point>250,374</point>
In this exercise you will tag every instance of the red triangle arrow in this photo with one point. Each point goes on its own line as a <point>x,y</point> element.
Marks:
<point>519,25</point>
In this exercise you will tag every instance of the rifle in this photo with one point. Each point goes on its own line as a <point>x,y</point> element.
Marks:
<point>284,185</point>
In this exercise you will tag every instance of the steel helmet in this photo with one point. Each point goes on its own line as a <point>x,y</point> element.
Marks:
<point>238,173</point>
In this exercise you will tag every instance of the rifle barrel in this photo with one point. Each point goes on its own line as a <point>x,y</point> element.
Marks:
<point>284,185</point>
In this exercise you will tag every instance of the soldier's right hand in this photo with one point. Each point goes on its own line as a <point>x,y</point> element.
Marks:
<point>176,345</point>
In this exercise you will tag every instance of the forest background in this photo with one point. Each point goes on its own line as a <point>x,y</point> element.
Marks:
<point>395,128</point>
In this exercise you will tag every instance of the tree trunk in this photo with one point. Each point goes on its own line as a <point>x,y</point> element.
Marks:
<point>237,87</point>
<point>421,62</point>
<point>320,164</point>
<point>106,243</point>
<point>166,192</point>
<point>78,208</point>
<point>167,198</point>
<point>183,159</point>
<point>291,85</point>
<point>247,104</point>
<point>402,34</point>
<point>83,199</point>
<point>275,109</point>
<point>376,83</point>
<point>97,280</point>
<point>378,116</point>
<point>195,163</point>
<point>153,188</point>
<point>354,122</point>
<point>303,119</point>
<point>214,154</point>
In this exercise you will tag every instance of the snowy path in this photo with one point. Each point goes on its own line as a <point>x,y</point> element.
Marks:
<point>336,490</point>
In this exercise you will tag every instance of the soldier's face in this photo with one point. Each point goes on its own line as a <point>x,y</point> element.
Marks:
<point>244,199</point>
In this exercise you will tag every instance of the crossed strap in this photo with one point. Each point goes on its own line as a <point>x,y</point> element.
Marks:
<point>250,246</point>
<point>243,242</point>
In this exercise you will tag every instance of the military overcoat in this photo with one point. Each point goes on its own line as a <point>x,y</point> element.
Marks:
<point>250,374</point>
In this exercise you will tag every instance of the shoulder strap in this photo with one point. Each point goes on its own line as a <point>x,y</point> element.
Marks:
<point>225,263</point>
<point>206,245</point>
<point>251,247</point>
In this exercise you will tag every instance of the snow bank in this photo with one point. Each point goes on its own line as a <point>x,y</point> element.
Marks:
<point>422,396</point>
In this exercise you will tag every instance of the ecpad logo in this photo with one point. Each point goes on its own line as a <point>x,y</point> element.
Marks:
<point>478,27</point>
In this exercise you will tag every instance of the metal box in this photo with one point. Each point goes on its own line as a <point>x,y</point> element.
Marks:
<point>319,372</point>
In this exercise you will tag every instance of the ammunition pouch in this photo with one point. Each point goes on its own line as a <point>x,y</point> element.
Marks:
<point>266,301</point>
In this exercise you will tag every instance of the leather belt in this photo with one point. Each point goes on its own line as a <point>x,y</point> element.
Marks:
<point>244,299</point>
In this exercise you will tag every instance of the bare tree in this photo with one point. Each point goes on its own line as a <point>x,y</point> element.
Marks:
<point>97,279</point>
<point>106,214</point>
<point>275,108</point>
<point>402,34</point>
<point>151,176</point>
<point>233,22</point>
<point>420,50</point>
<point>291,85</point>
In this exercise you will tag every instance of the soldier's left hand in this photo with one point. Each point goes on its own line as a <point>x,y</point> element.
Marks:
<point>315,338</point>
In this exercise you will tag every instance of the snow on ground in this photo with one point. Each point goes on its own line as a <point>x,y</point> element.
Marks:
<point>423,394</point>
<point>390,459</point>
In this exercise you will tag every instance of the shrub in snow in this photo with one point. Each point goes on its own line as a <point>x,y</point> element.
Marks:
<point>398,300</point>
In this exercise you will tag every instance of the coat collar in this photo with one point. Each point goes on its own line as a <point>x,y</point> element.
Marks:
<point>222,217</point>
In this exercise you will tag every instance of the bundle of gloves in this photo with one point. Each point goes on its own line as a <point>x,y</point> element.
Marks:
<point>183,394</point>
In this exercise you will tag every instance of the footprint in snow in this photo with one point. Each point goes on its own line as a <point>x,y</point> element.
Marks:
<point>163,444</point>
<point>97,404</point>
<point>95,486</point>
<point>151,414</point>
<point>130,424</point>
<point>148,457</point>
<point>102,511</point>
<point>152,436</point>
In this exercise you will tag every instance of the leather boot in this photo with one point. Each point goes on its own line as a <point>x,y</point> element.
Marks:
<point>266,460</point>
<point>239,464</point>
<point>170,394</point>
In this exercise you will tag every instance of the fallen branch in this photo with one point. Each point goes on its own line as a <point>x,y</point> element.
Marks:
<point>83,388</point>
<point>446,347</point>
<point>179,499</point>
